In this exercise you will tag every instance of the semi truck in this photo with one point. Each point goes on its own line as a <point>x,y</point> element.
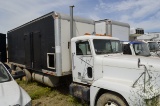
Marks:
<point>135,48</point>
<point>153,43</point>
<point>154,48</point>
<point>101,74</point>
<point>141,48</point>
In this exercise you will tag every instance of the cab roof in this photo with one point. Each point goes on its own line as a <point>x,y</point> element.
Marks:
<point>133,42</point>
<point>85,37</point>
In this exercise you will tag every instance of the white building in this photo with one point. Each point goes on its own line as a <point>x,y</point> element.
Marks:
<point>150,36</point>
<point>135,32</point>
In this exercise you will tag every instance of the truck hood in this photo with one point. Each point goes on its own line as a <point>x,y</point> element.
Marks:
<point>130,61</point>
<point>12,94</point>
<point>124,69</point>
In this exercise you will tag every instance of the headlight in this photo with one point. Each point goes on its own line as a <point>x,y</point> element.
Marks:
<point>29,103</point>
<point>153,102</point>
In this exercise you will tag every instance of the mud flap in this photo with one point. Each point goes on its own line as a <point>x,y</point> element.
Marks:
<point>80,91</point>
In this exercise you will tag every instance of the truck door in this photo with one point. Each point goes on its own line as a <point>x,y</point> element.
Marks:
<point>82,62</point>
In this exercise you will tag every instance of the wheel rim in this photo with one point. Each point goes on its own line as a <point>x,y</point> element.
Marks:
<point>110,103</point>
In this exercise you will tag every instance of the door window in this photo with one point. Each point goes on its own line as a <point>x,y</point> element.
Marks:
<point>83,48</point>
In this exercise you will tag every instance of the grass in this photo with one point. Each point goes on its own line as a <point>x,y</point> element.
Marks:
<point>42,95</point>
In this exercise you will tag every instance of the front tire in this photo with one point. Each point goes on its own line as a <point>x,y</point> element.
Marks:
<point>108,99</point>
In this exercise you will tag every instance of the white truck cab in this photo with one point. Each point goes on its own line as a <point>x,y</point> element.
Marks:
<point>85,51</point>
<point>138,48</point>
<point>141,48</point>
<point>154,48</point>
<point>102,75</point>
<point>11,94</point>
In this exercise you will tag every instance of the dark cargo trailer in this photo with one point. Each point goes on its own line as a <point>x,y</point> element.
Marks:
<point>41,47</point>
<point>29,43</point>
<point>3,52</point>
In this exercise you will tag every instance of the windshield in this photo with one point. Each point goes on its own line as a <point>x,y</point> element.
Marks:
<point>4,76</point>
<point>141,49</point>
<point>103,46</point>
<point>153,46</point>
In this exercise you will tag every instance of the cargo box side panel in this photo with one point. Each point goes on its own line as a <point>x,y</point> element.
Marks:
<point>36,51</point>
<point>100,27</point>
<point>16,49</point>
<point>79,29</point>
<point>65,39</point>
<point>47,37</point>
<point>3,53</point>
<point>33,41</point>
<point>120,32</point>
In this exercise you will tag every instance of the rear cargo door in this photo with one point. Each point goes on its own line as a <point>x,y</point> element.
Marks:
<point>32,42</point>
<point>36,49</point>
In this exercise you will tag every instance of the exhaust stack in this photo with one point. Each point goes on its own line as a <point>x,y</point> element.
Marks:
<point>71,21</point>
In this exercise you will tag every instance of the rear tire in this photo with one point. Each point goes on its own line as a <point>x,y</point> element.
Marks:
<point>108,99</point>
<point>27,78</point>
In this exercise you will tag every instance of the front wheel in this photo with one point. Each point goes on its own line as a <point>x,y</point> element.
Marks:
<point>108,99</point>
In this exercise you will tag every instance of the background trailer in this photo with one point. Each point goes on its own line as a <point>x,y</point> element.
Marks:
<point>3,53</point>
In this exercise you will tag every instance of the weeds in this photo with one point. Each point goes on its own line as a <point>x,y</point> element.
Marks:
<point>47,96</point>
<point>146,88</point>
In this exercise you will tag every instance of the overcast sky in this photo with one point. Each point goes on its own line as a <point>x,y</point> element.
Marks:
<point>138,13</point>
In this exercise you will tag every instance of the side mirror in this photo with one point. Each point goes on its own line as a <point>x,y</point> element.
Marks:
<point>139,62</point>
<point>18,74</point>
